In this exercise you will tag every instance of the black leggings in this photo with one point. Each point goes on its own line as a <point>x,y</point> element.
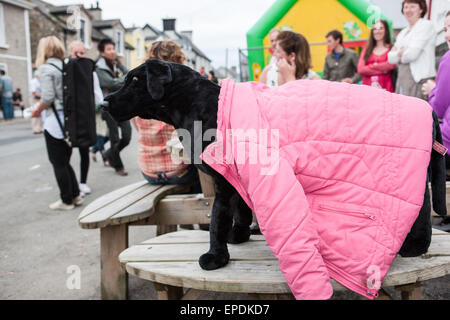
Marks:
<point>84,164</point>
<point>59,155</point>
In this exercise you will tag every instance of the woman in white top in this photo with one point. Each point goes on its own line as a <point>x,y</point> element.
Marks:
<point>414,50</point>
<point>293,58</point>
<point>49,57</point>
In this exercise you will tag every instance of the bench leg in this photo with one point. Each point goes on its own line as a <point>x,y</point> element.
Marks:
<point>114,279</point>
<point>166,292</point>
<point>411,291</point>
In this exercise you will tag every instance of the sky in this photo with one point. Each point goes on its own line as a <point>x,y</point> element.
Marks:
<point>217,25</point>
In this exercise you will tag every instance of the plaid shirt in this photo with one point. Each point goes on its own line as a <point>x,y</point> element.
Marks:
<point>153,156</point>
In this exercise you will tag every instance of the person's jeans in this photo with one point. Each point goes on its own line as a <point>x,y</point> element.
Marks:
<point>8,109</point>
<point>118,142</point>
<point>100,145</point>
<point>59,154</point>
<point>190,178</point>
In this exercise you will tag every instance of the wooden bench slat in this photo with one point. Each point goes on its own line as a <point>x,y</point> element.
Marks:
<point>252,277</point>
<point>172,259</point>
<point>437,232</point>
<point>411,270</point>
<point>249,251</point>
<point>110,197</point>
<point>144,207</point>
<point>195,236</point>
<point>100,218</point>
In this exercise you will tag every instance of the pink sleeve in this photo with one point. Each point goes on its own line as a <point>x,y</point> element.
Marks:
<point>285,219</point>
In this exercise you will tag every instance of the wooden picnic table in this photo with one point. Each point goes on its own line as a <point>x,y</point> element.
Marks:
<point>170,261</point>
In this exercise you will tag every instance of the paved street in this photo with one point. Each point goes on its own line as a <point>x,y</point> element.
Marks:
<point>38,245</point>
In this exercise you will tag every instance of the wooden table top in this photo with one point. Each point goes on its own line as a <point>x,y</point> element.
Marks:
<point>172,259</point>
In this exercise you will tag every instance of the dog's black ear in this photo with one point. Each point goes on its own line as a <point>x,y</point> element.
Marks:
<point>158,74</point>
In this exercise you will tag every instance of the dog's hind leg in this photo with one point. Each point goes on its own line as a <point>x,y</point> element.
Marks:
<point>242,216</point>
<point>221,222</point>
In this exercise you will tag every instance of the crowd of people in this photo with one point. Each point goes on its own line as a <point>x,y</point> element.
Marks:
<point>405,67</point>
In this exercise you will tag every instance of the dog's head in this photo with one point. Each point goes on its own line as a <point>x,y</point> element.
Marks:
<point>145,90</point>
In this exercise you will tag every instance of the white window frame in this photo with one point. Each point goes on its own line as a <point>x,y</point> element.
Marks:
<point>3,44</point>
<point>119,46</point>
<point>86,41</point>
<point>139,48</point>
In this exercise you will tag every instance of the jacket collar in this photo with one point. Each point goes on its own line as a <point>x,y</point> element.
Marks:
<point>101,64</point>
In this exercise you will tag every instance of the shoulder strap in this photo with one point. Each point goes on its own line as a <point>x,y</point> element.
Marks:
<point>56,113</point>
<point>55,66</point>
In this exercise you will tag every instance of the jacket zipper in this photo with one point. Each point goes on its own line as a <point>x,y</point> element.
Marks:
<point>352,212</point>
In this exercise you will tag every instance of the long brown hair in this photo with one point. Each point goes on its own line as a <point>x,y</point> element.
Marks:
<point>296,43</point>
<point>371,44</point>
<point>166,51</point>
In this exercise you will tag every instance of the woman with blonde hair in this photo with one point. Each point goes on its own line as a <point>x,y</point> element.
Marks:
<point>154,161</point>
<point>50,53</point>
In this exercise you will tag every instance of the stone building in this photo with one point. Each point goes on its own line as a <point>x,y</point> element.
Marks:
<point>135,37</point>
<point>195,58</point>
<point>15,47</point>
<point>75,22</point>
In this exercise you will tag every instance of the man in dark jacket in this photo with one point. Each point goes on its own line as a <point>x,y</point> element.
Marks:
<point>111,75</point>
<point>341,64</point>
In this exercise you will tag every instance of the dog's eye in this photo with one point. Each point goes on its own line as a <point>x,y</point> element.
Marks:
<point>135,79</point>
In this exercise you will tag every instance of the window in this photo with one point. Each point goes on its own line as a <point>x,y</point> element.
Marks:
<point>139,48</point>
<point>83,30</point>
<point>2,28</point>
<point>119,42</point>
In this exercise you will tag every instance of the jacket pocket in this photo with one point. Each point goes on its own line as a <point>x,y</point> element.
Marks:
<point>346,230</point>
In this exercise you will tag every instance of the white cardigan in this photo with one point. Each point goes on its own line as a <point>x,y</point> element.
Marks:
<point>420,52</point>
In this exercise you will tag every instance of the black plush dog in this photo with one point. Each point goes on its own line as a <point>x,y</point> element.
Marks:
<point>178,95</point>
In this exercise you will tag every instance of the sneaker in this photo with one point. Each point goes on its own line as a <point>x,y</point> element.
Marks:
<point>84,188</point>
<point>60,205</point>
<point>121,172</point>
<point>94,157</point>
<point>78,201</point>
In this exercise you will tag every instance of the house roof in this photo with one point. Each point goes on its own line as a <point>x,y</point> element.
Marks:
<point>104,24</point>
<point>44,9</point>
<point>152,28</point>
<point>98,35</point>
<point>66,9</point>
<point>20,3</point>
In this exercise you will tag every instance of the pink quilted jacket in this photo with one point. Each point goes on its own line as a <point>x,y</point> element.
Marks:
<point>345,181</point>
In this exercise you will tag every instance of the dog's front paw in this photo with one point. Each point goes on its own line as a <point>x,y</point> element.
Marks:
<point>239,235</point>
<point>213,261</point>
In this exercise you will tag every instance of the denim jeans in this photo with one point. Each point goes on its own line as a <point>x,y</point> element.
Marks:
<point>100,145</point>
<point>191,178</point>
<point>8,109</point>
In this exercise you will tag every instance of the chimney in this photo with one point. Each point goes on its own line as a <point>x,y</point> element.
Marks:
<point>169,24</point>
<point>95,12</point>
<point>187,34</point>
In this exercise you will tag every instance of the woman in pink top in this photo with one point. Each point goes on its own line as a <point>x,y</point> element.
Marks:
<point>373,64</point>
